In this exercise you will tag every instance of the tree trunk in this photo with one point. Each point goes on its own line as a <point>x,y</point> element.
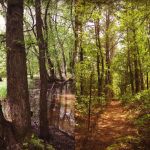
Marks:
<point>17,85</point>
<point>136,75</point>
<point>130,65</point>
<point>131,74</point>
<point>81,57</point>
<point>108,80</point>
<point>139,63</point>
<point>76,35</point>
<point>81,76</point>
<point>50,64</point>
<point>147,81</point>
<point>136,64</point>
<point>99,57</point>
<point>43,75</point>
<point>90,101</point>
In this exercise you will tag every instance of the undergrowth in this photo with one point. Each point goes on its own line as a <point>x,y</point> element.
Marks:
<point>82,103</point>
<point>140,103</point>
<point>34,143</point>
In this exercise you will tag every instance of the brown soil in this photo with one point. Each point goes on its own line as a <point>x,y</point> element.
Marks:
<point>113,123</point>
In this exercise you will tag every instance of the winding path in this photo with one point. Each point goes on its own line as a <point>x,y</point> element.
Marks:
<point>112,124</point>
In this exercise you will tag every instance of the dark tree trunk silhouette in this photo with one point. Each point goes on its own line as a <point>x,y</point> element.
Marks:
<point>136,75</point>
<point>81,76</point>
<point>17,85</point>
<point>136,64</point>
<point>43,73</point>
<point>147,80</point>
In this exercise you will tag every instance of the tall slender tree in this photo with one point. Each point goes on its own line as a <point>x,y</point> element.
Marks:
<point>43,72</point>
<point>100,59</point>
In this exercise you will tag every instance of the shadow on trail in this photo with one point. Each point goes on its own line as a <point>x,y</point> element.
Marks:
<point>110,125</point>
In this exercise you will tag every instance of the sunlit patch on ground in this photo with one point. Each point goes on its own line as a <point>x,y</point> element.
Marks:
<point>110,125</point>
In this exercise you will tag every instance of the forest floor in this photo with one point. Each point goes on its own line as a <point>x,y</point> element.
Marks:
<point>112,124</point>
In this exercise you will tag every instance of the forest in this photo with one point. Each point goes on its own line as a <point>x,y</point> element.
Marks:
<point>74,74</point>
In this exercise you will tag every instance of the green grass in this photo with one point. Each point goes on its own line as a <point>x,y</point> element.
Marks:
<point>3,90</point>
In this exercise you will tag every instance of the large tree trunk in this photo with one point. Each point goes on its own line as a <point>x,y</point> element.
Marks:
<point>7,133</point>
<point>43,74</point>
<point>17,85</point>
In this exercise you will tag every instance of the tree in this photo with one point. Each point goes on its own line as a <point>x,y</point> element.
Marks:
<point>43,72</point>
<point>17,85</point>
<point>100,59</point>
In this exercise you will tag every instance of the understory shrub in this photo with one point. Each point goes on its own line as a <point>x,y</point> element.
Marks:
<point>141,103</point>
<point>82,103</point>
<point>35,143</point>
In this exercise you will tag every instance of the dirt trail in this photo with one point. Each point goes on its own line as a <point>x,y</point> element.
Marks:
<point>112,124</point>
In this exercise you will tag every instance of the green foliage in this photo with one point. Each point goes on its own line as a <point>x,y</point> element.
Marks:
<point>141,98</point>
<point>125,143</point>
<point>142,120</point>
<point>141,103</point>
<point>2,61</point>
<point>82,103</point>
<point>3,90</point>
<point>35,143</point>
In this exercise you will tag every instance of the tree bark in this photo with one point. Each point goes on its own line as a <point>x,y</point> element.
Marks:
<point>81,76</point>
<point>17,85</point>
<point>43,74</point>
<point>136,64</point>
<point>99,57</point>
<point>136,75</point>
<point>81,56</point>
<point>147,80</point>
